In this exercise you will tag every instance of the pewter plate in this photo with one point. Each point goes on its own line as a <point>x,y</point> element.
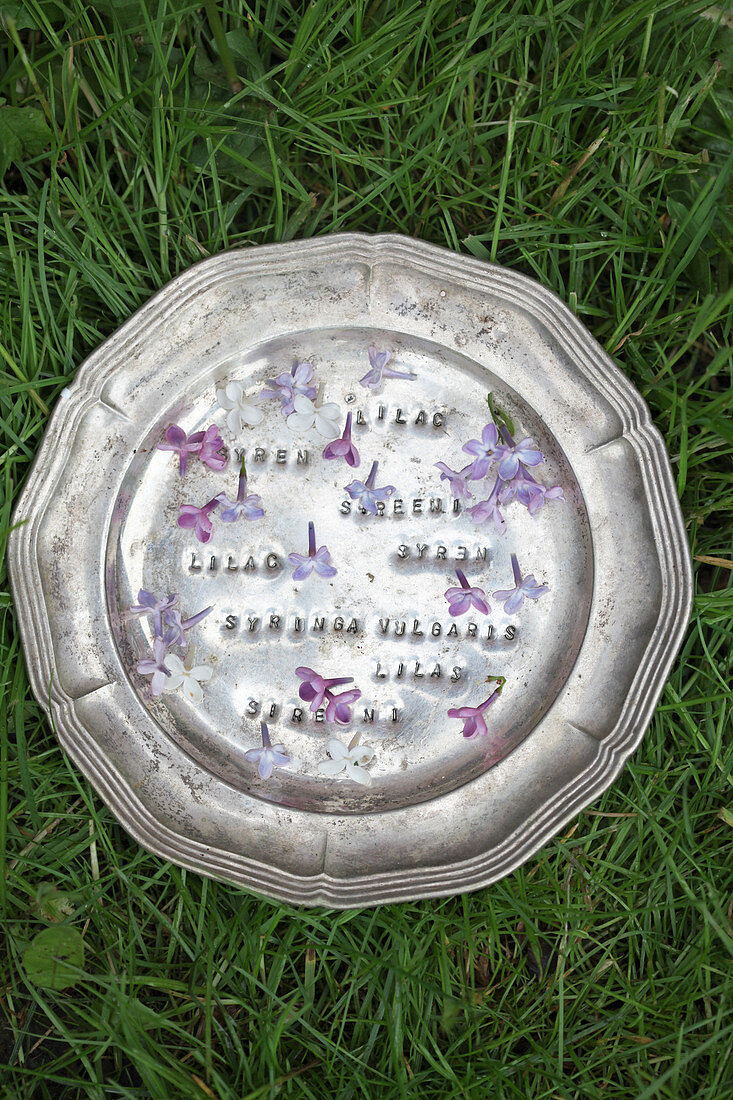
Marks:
<point>582,666</point>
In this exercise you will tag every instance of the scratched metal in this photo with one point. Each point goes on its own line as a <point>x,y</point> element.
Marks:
<point>584,665</point>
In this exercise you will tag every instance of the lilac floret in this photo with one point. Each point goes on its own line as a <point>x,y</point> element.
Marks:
<point>339,706</point>
<point>316,688</point>
<point>525,453</point>
<point>248,506</point>
<point>524,588</point>
<point>212,452</point>
<point>286,386</point>
<point>488,510</point>
<point>153,666</point>
<point>177,627</point>
<point>529,492</point>
<point>485,451</point>
<point>378,360</point>
<point>177,440</point>
<point>207,445</point>
<point>474,723</point>
<point>464,598</point>
<point>148,604</point>
<point>269,756</point>
<point>191,517</point>
<point>366,494</point>
<point>343,447</point>
<point>457,480</point>
<point>318,561</point>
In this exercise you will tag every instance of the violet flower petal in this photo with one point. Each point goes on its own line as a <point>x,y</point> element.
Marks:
<point>459,603</point>
<point>318,560</point>
<point>198,518</point>
<point>304,566</point>
<point>288,386</point>
<point>315,687</point>
<point>474,723</point>
<point>212,447</point>
<point>484,450</point>
<point>338,709</point>
<point>343,447</point>
<point>456,480</point>
<point>374,377</point>
<point>322,563</point>
<point>269,756</point>
<point>177,440</point>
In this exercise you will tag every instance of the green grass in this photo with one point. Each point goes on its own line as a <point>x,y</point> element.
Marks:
<point>602,969</point>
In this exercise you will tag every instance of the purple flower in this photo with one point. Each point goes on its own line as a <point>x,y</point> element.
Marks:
<point>339,706</point>
<point>366,494</point>
<point>343,447</point>
<point>212,448</point>
<point>529,492</point>
<point>489,509</point>
<point>372,380</point>
<point>148,604</point>
<point>177,627</point>
<point>153,666</point>
<point>178,441</point>
<point>474,723</point>
<point>456,481</point>
<point>485,451</point>
<point>540,495</point>
<point>248,506</point>
<point>269,756</point>
<point>288,386</point>
<point>463,598</point>
<point>198,518</point>
<point>524,452</point>
<point>526,588</point>
<point>318,560</point>
<point>315,688</point>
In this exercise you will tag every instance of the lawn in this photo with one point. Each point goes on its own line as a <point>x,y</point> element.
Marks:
<point>585,144</point>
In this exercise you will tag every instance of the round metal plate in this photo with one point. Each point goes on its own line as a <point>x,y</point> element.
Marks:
<point>583,665</point>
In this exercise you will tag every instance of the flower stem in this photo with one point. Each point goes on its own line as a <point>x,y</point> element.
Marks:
<point>347,429</point>
<point>242,483</point>
<point>494,494</point>
<point>516,571</point>
<point>462,578</point>
<point>188,623</point>
<point>266,742</point>
<point>311,540</point>
<point>372,474</point>
<point>500,417</point>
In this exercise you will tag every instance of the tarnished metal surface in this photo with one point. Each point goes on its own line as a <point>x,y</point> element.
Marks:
<point>584,664</point>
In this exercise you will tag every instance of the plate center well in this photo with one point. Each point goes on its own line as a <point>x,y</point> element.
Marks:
<point>382,619</point>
